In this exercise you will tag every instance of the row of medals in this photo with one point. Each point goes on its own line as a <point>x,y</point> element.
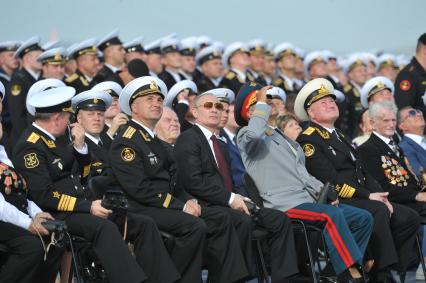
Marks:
<point>395,172</point>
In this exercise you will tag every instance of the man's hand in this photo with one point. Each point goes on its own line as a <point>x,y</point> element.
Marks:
<point>183,95</point>
<point>261,94</point>
<point>421,197</point>
<point>119,119</point>
<point>382,197</point>
<point>44,216</point>
<point>77,134</point>
<point>36,224</point>
<point>335,202</point>
<point>98,210</point>
<point>193,208</point>
<point>239,204</point>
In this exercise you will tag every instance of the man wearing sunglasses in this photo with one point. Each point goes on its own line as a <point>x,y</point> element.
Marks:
<point>203,171</point>
<point>412,124</point>
<point>146,172</point>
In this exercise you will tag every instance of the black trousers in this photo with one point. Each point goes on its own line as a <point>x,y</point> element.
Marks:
<point>223,255</point>
<point>108,246</point>
<point>25,262</point>
<point>280,241</point>
<point>392,240</point>
<point>149,249</point>
<point>190,234</point>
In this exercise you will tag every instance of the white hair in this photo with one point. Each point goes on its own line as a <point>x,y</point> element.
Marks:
<point>375,108</point>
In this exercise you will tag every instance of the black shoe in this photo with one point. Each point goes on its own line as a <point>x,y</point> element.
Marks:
<point>346,277</point>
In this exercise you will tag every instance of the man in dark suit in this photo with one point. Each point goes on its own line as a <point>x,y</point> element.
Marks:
<point>228,129</point>
<point>412,124</point>
<point>114,54</point>
<point>384,160</point>
<point>143,167</point>
<point>52,171</point>
<point>203,171</point>
<point>20,83</point>
<point>332,158</point>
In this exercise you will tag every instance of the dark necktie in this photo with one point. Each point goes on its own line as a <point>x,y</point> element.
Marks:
<point>100,144</point>
<point>221,163</point>
<point>394,147</point>
<point>335,135</point>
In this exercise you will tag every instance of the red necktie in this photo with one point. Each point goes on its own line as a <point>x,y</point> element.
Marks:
<point>221,163</point>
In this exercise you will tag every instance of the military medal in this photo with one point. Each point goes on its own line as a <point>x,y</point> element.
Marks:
<point>8,190</point>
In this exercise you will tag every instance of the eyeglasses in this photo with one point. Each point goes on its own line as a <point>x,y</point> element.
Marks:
<point>210,105</point>
<point>412,113</point>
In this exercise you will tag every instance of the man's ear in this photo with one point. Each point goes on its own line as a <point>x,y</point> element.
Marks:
<point>194,112</point>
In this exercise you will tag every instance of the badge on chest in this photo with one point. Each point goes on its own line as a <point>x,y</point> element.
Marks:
<point>57,162</point>
<point>152,158</point>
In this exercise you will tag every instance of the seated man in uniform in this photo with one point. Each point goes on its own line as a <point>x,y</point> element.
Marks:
<point>146,173</point>
<point>203,171</point>
<point>89,108</point>
<point>277,165</point>
<point>332,158</point>
<point>52,170</point>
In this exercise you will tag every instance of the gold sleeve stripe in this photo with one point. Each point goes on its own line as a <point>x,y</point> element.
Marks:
<point>61,202</point>
<point>86,171</point>
<point>346,191</point>
<point>71,204</point>
<point>67,203</point>
<point>166,202</point>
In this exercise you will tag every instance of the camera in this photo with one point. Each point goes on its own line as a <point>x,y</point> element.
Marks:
<point>115,201</point>
<point>57,226</point>
<point>327,194</point>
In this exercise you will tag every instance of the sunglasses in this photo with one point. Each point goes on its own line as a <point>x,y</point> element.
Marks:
<point>210,105</point>
<point>414,112</point>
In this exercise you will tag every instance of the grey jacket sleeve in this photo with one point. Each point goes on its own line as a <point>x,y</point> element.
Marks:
<point>250,139</point>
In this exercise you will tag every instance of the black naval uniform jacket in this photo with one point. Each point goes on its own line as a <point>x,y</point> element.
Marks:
<point>99,165</point>
<point>282,83</point>
<point>354,108</point>
<point>203,82</point>
<point>410,86</point>
<point>331,160</point>
<point>103,74</point>
<point>52,170</point>
<point>135,153</point>
<point>79,82</point>
<point>389,170</point>
<point>168,79</point>
<point>19,85</point>
<point>232,81</point>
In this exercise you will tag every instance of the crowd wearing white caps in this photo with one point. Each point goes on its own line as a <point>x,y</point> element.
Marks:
<point>36,79</point>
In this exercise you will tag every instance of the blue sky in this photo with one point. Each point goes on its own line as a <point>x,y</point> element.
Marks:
<point>340,25</point>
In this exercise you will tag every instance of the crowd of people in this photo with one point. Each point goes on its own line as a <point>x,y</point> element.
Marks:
<point>178,126</point>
